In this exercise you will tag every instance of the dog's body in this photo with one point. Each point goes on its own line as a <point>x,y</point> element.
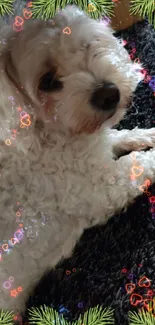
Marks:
<point>58,176</point>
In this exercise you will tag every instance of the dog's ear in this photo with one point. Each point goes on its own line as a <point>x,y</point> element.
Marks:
<point>15,121</point>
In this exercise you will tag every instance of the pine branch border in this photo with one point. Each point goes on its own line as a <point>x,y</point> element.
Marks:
<point>46,9</point>
<point>94,316</point>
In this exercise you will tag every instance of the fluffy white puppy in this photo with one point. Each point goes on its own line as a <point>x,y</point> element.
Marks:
<point>63,84</point>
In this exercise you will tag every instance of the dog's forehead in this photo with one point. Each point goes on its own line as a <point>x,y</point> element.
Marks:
<point>80,23</point>
<point>62,42</point>
<point>70,29</point>
<point>69,35</point>
<point>75,30</point>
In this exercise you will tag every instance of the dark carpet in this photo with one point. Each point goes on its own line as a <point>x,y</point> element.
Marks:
<point>108,257</point>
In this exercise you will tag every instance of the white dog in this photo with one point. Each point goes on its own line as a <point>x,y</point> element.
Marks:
<point>63,84</point>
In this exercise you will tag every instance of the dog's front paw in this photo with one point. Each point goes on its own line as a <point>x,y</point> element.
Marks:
<point>142,139</point>
<point>132,140</point>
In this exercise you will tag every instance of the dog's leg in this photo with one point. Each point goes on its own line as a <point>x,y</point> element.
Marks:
<point>129,140</point>
<point>120,189</point>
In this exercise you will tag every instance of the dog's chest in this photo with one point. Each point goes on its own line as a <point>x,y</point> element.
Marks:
<point>62,179</point>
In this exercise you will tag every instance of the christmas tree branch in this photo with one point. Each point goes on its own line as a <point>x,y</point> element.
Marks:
<point>143,8</point>
<point>6,7</point>
<point>46,9</point>
<point>6,318</point>
<point>141,318</point>
<point>48,316</point>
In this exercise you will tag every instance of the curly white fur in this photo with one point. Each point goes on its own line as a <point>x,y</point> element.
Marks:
<point>61,169</point>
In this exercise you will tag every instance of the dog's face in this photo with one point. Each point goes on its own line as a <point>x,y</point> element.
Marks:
<point>74,70</point>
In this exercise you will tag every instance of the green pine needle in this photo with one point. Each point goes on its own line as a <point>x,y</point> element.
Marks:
<point>46,9</point>
<point>45,316</point>
<point>6,7</point>
<point>96,316</point>
<point>48,316</point>
<point>6,318</point>
<point>143,8</point>
<point>141,318</point>
<point>101,7</point>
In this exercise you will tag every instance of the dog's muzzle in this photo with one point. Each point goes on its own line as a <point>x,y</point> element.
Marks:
<point>105,98</point>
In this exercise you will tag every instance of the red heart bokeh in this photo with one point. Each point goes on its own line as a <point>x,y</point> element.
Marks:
<point>135,299</point>
<point>144,282</point>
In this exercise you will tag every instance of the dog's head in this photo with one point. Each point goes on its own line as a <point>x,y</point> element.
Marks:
<point>72,69</point>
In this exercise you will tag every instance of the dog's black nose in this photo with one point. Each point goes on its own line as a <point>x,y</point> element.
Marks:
<point>106,97</point>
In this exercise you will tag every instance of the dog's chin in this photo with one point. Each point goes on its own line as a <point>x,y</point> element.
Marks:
<point>114,119</point>
<point>87,127</point>
<point>91,126</point>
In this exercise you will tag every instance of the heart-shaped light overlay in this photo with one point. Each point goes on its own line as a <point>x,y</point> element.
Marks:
<point>67,30</point>
<point>130,287</point>
<point>19,21</point>
<point>25,121</point>
<point>135,299</point>
<point>133,154</point>
<point>27,13</point>
<point>149,304</point>
<point>91,8</point>
<point>5,247</point>
<point>143,188</point>
<point>144,282</point>
<point>137,170</point>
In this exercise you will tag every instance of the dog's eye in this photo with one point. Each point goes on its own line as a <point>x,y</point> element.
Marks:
<point>49,83</point>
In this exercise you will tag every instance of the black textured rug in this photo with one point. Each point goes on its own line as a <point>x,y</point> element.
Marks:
<point>108,257</point>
